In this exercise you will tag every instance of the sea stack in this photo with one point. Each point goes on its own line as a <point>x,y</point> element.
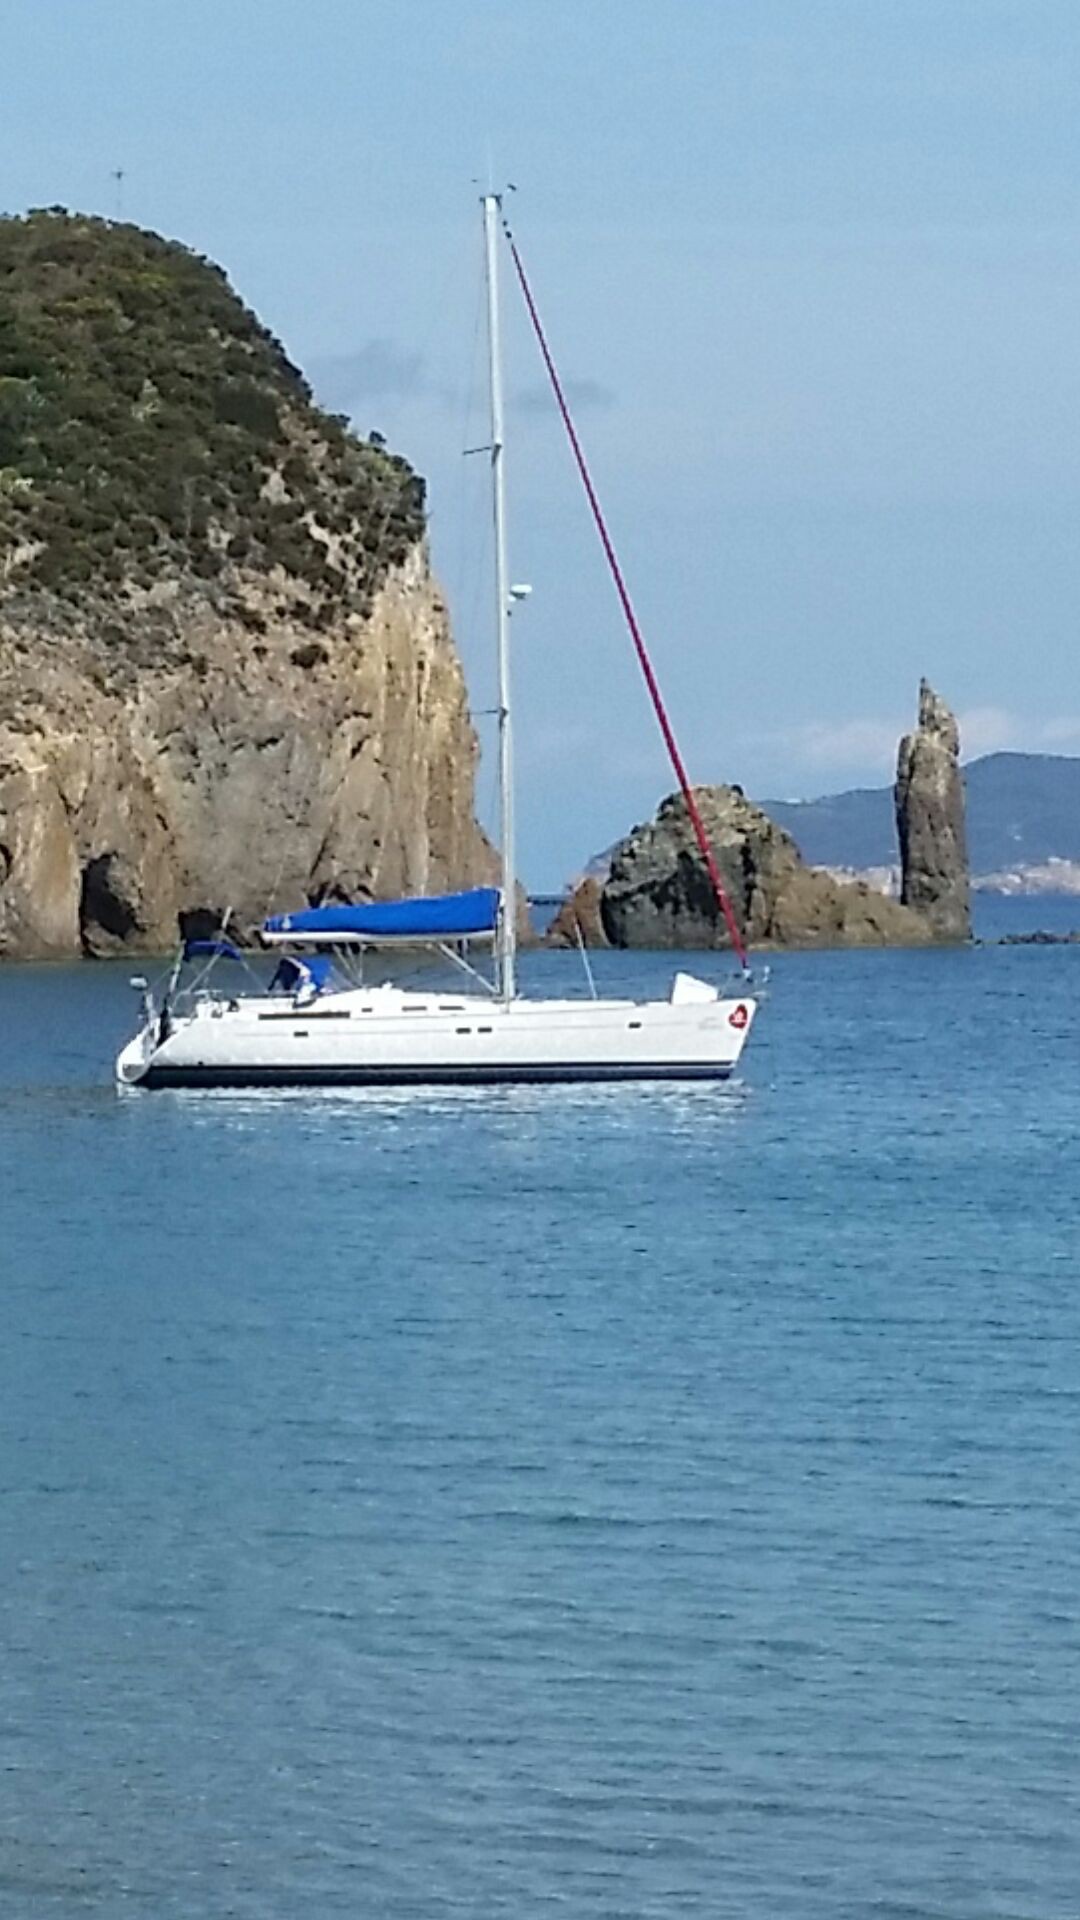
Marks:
<point>930,821</point>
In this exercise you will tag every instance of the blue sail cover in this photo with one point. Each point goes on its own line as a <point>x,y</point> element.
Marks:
<point>446,916</point>
<point>213,949</point>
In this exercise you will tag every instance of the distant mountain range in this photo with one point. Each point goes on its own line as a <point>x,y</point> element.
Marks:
<point>1023,813</point>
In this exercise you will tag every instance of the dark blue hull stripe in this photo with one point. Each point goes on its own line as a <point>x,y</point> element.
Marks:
<point>356,1076</point>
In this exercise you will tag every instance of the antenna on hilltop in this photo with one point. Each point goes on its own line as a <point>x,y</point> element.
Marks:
<point>117,176</point>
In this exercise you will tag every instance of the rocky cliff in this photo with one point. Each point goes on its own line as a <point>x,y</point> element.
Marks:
<point>930,821</point>
<point>579,921</point>
<point>658,894</point>
<point>226,674</point>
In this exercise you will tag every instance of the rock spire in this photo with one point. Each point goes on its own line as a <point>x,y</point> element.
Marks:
<point>930,821</point>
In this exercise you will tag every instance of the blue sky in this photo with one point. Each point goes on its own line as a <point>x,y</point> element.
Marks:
<point>812,265</point>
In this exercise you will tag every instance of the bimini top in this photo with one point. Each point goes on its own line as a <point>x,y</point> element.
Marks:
<point>211,950</point>
<point>446,916</point>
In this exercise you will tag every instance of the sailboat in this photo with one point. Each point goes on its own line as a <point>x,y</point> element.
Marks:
<point>319,1022</point>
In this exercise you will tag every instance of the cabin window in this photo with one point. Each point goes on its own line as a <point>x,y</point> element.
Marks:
<point>315,1013</point>
<point>633,1023</point>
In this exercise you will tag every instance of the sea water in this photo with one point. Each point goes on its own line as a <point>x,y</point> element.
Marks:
<point>632,1502</point>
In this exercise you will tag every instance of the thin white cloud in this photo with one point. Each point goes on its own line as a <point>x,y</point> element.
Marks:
<point>850,752</point>
<point>996,730</point>
<point>856,742</point>
<point>990,730</point>
<point>1063,733</point>
<point>829,744</point>
<point>609,756</point>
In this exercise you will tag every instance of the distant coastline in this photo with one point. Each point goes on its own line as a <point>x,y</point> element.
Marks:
<point>1022,817</point>
<point>1052,877</point>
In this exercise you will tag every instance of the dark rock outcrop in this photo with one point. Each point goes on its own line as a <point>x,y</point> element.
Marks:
<point>579,921</point>
<point>1040,938</point>
<point>658,893</point>
<point>930,821</point>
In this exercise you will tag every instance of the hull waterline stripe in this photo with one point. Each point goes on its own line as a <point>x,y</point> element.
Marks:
<point>355,1076</point>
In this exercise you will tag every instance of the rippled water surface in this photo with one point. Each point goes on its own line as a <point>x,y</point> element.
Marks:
<point>603,1502</point>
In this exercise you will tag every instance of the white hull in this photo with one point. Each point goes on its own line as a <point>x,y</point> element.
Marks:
<point>386,1037</point>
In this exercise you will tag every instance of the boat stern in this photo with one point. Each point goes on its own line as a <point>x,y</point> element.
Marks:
<point>133,1060</point>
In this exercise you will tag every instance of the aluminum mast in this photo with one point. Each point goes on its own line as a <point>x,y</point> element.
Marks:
<point>508,917</point>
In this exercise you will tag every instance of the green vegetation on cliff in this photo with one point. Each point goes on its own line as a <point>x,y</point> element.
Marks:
<point>149,424</point>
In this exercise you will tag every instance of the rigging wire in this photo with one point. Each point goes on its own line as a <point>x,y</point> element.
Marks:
<point>623,592</point>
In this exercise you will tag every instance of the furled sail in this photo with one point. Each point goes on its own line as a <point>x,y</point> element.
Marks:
<point>472,915</point>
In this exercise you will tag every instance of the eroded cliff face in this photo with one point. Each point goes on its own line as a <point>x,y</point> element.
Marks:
<point>214,753</point>
<point>658,893</point>
<point>935,880</point>
<point>226,675</point>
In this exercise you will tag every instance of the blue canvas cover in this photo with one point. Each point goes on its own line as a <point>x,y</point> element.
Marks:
<point>212,949</point>
<point>446,916</point>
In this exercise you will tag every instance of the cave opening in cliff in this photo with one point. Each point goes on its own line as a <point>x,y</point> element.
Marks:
<point>103,910</point>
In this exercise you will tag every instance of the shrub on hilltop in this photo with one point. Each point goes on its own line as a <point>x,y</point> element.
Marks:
<point>149,424</point>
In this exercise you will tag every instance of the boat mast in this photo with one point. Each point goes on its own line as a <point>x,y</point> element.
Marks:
<point>507,942</point>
